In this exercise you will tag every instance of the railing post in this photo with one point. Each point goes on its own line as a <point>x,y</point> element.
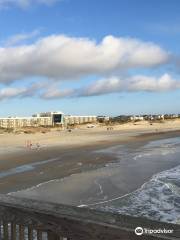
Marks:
<point>30,233</point>
<point>13,231</point>
<point>5,231</point>
<point>39,235</point>
<point>21,232</point>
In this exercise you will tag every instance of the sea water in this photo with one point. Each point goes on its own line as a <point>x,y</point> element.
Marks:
<point>158,198</point>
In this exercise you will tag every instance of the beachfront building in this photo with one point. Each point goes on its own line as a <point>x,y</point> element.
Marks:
<point>54,118</point>
<point>19,122</point>
<point>75,120</point>
<point>46,119</point>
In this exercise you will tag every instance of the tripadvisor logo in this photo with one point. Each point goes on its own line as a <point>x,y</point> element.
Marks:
<point>139,231</point>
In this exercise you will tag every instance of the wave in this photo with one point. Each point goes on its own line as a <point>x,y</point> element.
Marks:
<point>157,199</point>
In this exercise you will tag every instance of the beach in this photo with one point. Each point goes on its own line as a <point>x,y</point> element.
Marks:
<point>86,167</point>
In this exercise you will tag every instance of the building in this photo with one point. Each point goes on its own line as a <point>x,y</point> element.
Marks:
<point>19,122</point>
<point>46,119</point>
<point>55,118</point>
<point>136,118</point>
<point>75,120</point>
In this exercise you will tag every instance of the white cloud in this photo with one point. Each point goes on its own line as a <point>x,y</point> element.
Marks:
<point>144,83</point>
<point>48,90</point>
<point>116,85</point>
<point>103,86</point>
<point>60,57</point>
<point>24,3</point>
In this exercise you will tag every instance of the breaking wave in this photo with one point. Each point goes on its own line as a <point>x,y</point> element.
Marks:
<point>158,199</point>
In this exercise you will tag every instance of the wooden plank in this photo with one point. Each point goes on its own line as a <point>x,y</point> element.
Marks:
<point>13,231</point>
<point>21,232</point>
<point>30,233</point>
<point>5,230</point>
<point>39,235</point>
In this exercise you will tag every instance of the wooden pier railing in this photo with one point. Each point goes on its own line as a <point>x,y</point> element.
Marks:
<point>24,219</point>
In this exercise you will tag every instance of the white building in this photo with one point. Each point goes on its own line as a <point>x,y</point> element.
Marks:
<point>72,120</point>
<point>47,119</point>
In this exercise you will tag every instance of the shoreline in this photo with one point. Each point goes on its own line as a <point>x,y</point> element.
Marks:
<point>72,159</point>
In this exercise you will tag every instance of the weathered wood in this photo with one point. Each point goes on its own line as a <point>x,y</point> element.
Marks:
<point>39,235</point>
<point>13,231</point>
<point>21,232</point>
<point>30,233</point>
<point>78,223</point>
<point>5,230</point>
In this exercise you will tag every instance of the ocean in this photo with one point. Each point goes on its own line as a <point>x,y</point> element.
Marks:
<point>158,198</point>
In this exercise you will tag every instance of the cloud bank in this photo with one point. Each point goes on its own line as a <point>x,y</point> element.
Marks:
<point>139,83</point>
<point>60,57</point>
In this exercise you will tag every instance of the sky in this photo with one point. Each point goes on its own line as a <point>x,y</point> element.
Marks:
<point>105,57</point>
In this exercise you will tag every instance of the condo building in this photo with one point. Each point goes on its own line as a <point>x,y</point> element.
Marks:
<point>46,119</point>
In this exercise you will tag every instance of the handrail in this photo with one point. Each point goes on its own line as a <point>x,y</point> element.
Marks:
<point>21,217</point>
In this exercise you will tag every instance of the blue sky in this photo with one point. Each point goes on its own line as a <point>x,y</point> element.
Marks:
<point>89,57</point>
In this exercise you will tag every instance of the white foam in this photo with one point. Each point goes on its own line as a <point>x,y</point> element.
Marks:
<point>158,198</point>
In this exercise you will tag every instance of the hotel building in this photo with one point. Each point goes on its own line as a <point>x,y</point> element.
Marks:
<point>47,119</point>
